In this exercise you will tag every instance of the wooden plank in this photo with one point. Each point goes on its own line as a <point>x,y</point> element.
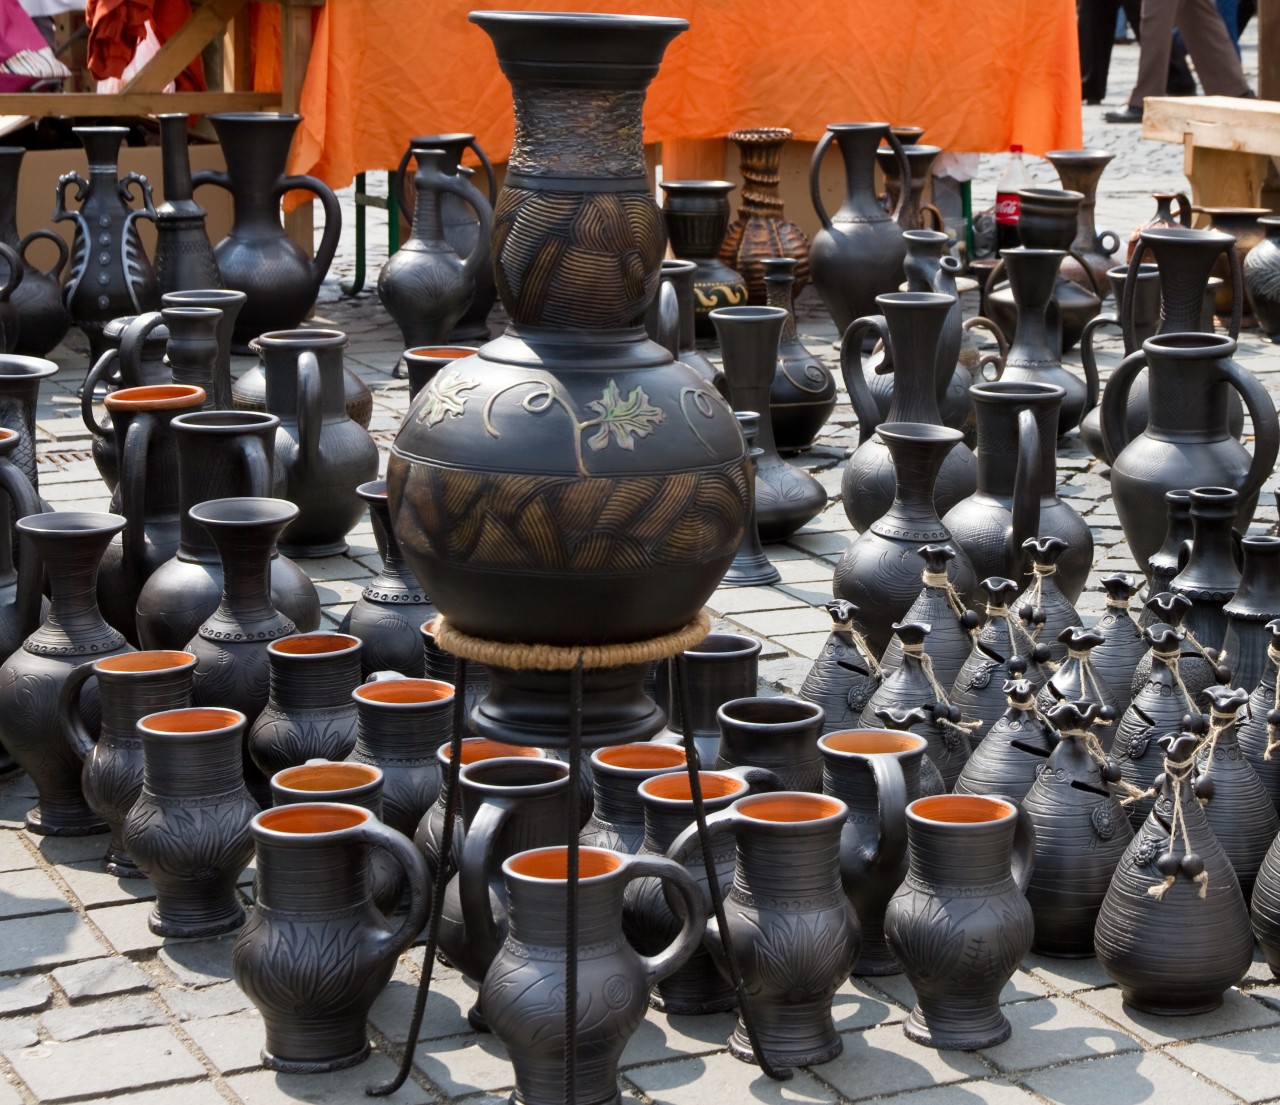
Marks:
<point>1217,122</point>
<point>41,104</point>
<point>237,55</point>
<point>694,159</point>
<point>1224,178</point>
<point>204,24</point>
<point>1269,49</point>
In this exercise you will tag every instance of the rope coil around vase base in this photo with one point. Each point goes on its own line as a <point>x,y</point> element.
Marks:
<point>518,657</point>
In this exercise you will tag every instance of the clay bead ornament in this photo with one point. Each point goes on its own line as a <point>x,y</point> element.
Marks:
<point>1076,679</point>
<point>1042,601</point>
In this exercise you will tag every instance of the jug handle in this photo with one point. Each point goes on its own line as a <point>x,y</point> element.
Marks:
<point>131,342</point>
<point>1237,290</point>
<point>855,379</point>
<point>981,322</point>
<point>400,181</point>
<point>332,222</point>
<point>815,178</point>
<point>1112,419</point>
<point>59,242</point>
<point>997,270</point>
<point>257,467</point>
<point>1026,489</point>
<point>471,196</point>
<point>657,967</point>
<point>473,875</point>
<point>725,821</point>
<point>133,490</point>
<point>14,262</point>
<point>100,371</point>
<point>78,736</point>
<point>310,412</point>
<point>24,501</point>
<point>1266,428</point>
<point>935,217</point>
<point>891,808</point>
<point>1184,208</point>
<point>759,780</point>
<point>904,175</point>
<point>397,845</point>
<point>1024,844</point>
<point>1102,242</point>
<point>216,177</point>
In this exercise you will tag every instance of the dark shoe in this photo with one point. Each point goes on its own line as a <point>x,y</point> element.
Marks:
<point>1247,94</point>
<point>1128,115</point>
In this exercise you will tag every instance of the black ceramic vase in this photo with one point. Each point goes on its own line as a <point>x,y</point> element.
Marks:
<point>188,832</point>
<point>1209,575</point>
<point>910,326</point>
<point>109,274</point>
<point>1197,668</point>
<point>1008,759</point>
<point>787,497</point>
<point>952,626</point>
<point>1255,602</point>
<point>1122,644</point>
<point>257,257</point>
<point>1042,601</point>
<point>617,814</point>
<point>221,455</point>
<point>42,318</point>
<point>721,667</point>
<point>1165,563</point>
<point>70,545</point>
<point>184,255</point>
<point>979,852</point>
<point>845,675</point>
<point>21,584</point>
<point>1076,679</point>
<point>779,734</point>
<point>803,393</point>
<point>751,566</point>
<point>880,571</point>
<point>130,686</point>
<point>696,213</point>
<point>1174,893</point>
<point>316,952</point>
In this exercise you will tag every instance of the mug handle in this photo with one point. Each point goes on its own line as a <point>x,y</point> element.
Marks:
<point>1025,514</point>
<point>657,967</point>
<point>1024,844</point>
<point>725,821</point>
<point>133,488</point>
<point>397,845</point>
<point>78,737</point>
<point>891,808</point>
<point>310,405</point>
<point>258,466</point>
<point>855,379</point>
<point>1113,415</point>
<point>473,875</point>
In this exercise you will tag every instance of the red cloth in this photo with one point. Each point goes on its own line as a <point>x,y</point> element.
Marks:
<point>117,26</point>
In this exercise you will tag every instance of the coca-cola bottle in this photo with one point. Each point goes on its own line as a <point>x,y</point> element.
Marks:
<point>1014,179</point>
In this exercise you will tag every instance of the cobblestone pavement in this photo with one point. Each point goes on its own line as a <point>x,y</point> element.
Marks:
<point>93,1007</point>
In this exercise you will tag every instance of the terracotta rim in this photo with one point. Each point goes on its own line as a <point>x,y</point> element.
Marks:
<point>304,645</point>
<point>7,436</point>
<point>640,757</point>
<point>552,864</point>
<point>791,807</point>
<point>871,742</point>
<point>318,778</point>
<point>478,749</point>
<point>674,787</point>
<point>405,692</point>
<point>192,721</point>
<point>143,663</point>
<point>961,809</point>
<point>444,353</point>
<point>311,819</point>
<point>155,397</point>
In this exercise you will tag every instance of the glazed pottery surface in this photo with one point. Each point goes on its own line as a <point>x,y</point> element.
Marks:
<point>680,276</point>
<point>761,229</point>
<point>184,254</point>
<point>130,686</point>
<point>524,991</point>
<point>188,832</point>
<point>696,213</point>
<point>109,274</point>
<point>572,461</point>
<point>1173,931</point>
<point>858,253</point>
<point>42,319</point>
<point>959,924</point>
<point>1255,602</point>
<point>794,934</point>
<point>617,817</point>
<point>221,454</point>
<point>316,952</point>
<point>249,392</point>
<point>70,545</point>
<point>257,257</point>
<point>1165,563</point>
<point>911,212</point>
<point>1186,442</point>
<point>20,379</point>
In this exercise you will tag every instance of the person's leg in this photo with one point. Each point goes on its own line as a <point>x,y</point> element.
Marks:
<point>1217,64</point>
<point>1097,30</point>
<point>1157,43</point>
<point>1180,82</point>
<point>1230,12</point>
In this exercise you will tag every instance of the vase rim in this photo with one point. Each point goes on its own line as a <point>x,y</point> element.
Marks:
<point>198,296</point>
<point>551,865</point>
<point>256,117</point>
<point>322,776</point>
<point>14,364</point>
<point>1258,211</point>
<point>477,749</point>
<point>408,694</point>
<point>1190,345</point>
<point>322,644</point>
<point>764,715</point>
<point>640,759</point>
<point>305,338</point>
<point>244,510</point>
<point>787,809</point>
<point>308,820</point>
<point>155,397</point>
<point>925,236</point>
<point>920,149</point>
<point>209,422</point>
<point>189,310</point>
<point>1186,234</point>
<point>1147,270</point>
<point>542,777</point>
<point>146,663</point>
<point>1089,154</point>
<point>939,300</point>
<point>1062,195</point>
<point>191,722</point>
<point>1012,390</point>
<point>729,646</point>
<point>78,522</point>
<point>763,136</point>
<point>373,490</point>
<point>1260,541</point>
<point>1035,251</point>
<point>859,743</point>
<point>755,314</point>
<point>959,811</point>
<point>855,128</point>
<point>916,431</point>
<point>440,352</point>
<point>676,265</point>
<point>697,185</point>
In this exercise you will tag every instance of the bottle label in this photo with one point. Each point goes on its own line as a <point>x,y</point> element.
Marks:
<point>1007,207</point>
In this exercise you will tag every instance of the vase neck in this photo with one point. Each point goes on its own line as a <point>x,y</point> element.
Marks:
<point>919,381</point>
<point>175,162</point>
<point>245,552</point>
<point>72,562</point>
<point>616,799</point>
<point>125,699</point>
<point>759,166</point>
<point>1185,267</point>
<point>557,135</point>
<point>997,433</point>
<point>858,150</point>
<point>427,225</point>
<point>1171,381</point>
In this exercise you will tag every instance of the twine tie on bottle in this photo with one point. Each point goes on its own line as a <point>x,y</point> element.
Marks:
<point>1118,604</point>
<point>943,583</point>
<point>1171,661</point>
<point>964,728</point>
<point>860,643</point>
<point>1177,774</point>
<point>998,612</point>
<point>1087,679</point>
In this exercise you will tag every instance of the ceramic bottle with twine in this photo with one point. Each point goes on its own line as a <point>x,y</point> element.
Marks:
<point>1003,648</point>
<point>1011,755</point>
<point>1077,679</point>
<point>1239,811</point>
<point>1173,931</point>
<point>1122,642</point>
<point>846,673</point>
<point>1258,732</point>
<point>1166,561</point>
<point>940,606</point>
<point>914,685</point>
<point>1042,601</point>
<point>1157,708</point>
<point>1081,833</point>
<point>1209,576</point>
<point>1199,667</point>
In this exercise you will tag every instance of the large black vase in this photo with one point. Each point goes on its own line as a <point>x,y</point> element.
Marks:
<point>257,257</point>
<point>42,318</point>
<point>184,254</point>
<point>110,274</point>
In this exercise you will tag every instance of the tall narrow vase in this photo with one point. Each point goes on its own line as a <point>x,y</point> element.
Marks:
<point>70,544</point>
<point>1080,171</point>
<point>1255,602</point>
<point>803,393</point>
<point>42,318</point>
<point>229,302</point>
<point>1186,260</point>
<point>184,254</point>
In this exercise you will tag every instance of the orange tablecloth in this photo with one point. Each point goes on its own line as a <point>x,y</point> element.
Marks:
<point>978,75</point>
